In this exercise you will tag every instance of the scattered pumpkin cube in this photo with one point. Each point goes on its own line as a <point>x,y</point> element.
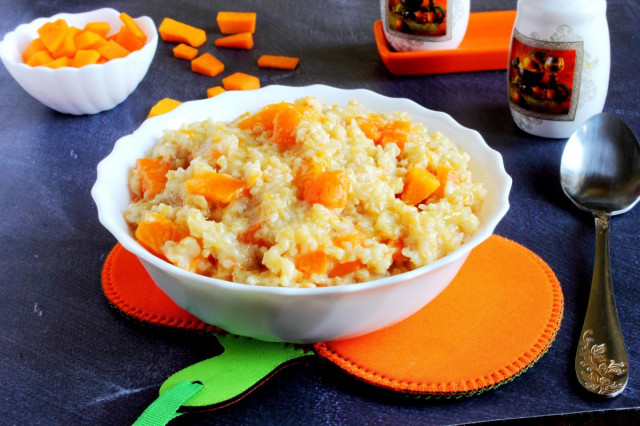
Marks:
<point>236,22</point>
<point>214,91</point>
<point>207,64</point>
<point>100,28</point>
<point>184,51</point>
<point>163,105</point>
<point>241,81</point>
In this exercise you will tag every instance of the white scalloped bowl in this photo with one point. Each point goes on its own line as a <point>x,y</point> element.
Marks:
<point>85,90</point>
<point>298,314</point>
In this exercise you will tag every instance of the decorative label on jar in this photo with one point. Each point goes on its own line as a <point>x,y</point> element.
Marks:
<point>545,77</point>
<point>420,20</point>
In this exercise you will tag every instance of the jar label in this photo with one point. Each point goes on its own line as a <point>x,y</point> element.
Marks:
<point>544,77</point>
<point>421,20</point>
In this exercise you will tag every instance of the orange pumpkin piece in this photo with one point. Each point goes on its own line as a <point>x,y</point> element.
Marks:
<point>342,269</point>
<point>329,188</point>
<point>264,117</point>
<point>351,239</point>
<point>155,230</point>
<point>236,22</point>
<point>100,28</point>
<point>207,64</point>
<point>184,51</point>
<point>35,46</point>
<point>112,50</point>
<point>240,81</point>
<point>444,174</point>
<point>370,126</point>
<point>281,62</point>
<point>85,57</point>
<point>314,262</point>
<point>132,27</point>
<point>162,106</point>
<point>87,39</point>
<point>236,41</point>
<point>418,185</point>
<point>153,176</point>
<point>249,236</point>
<point>285,124</point>
<point>214,91</point>
<point>58,63</point>
<point>395,132</point>
<point>41,57</point>
<point>67,47</point>
<point>53,34</point>
<point>172,30</point>
<point>215,187</point>
<point>129,40</point>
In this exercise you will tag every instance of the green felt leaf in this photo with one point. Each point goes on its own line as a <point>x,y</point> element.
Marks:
<point>244,364</point>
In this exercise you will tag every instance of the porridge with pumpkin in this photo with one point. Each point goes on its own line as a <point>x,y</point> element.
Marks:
<point>303,194</point>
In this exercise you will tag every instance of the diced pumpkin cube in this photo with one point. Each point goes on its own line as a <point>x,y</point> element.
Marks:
<point>133,28</point>
<point>184,51</point>
<point>162,106</point>
<point>419,184</point>
<point>314,262</point>
<point>342,269</point>
<point>53,34</point>
<point>285,124</point>
<point>329,188</point>
<point>40,58</point>
<point>35,46</point>
<point>214,91</point>
<point>128,40</point>
<point>264,117</point>
<point>215,187</point>
<point>172,30</point>
<point>85,57</point>
<point>100,28</point>
<point>112,50</point>
<point>153,176</point>
<point>236,22</point>
<point>207,64</point>
<point>241,81</point>
<point>236,41</point>
<point>58,63</point>
<point>67,48</point>
<point>87,39</point>
<point>155,230</point>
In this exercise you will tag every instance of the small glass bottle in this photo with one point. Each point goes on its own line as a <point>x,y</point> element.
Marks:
<point>417,25</point>
<point>559,62</point>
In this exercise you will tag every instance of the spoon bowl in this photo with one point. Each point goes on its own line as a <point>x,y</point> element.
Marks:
<point>600,173</point>
<point>600,167</point>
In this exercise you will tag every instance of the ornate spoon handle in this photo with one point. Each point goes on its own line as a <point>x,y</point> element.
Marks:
<point>601,360</point>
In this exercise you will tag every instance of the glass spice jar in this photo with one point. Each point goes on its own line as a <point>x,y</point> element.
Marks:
<point>559,62</point>
<point>418,25</point>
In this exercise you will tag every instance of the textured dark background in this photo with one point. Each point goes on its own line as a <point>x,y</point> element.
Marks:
<point>67,358</point>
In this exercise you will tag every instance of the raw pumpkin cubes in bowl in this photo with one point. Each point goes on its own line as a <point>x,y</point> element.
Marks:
<point>94,60</point>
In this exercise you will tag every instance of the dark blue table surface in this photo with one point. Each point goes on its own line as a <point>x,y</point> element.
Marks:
<point>67,358</point>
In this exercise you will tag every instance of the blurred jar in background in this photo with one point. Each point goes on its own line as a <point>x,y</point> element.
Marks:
<point>416,25</point>
<point>559,62</point>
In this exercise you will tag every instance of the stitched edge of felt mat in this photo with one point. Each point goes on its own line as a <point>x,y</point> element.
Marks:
<point>173,316</point>
<point>472,386</point>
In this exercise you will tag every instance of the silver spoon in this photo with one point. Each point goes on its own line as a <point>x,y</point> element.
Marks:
<point>600,173</point>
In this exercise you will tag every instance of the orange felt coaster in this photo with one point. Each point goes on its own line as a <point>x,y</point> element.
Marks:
<point>497,317</point>
<point>131,290</point>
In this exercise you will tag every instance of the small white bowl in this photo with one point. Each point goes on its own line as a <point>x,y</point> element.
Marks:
<point>297,314</point>
<point>85,90</point>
